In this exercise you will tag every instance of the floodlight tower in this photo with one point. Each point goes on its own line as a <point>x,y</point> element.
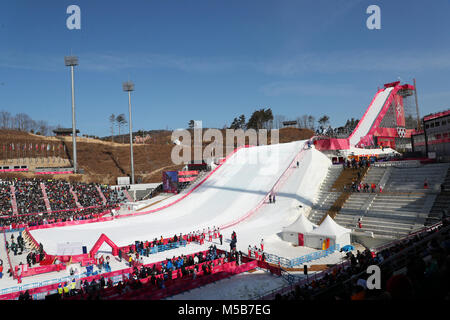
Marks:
<point>128,87</point>
<point>71,61</point>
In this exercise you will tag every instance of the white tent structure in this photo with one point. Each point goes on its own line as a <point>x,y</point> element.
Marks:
<point>295,232</point>
<point>328,233</point>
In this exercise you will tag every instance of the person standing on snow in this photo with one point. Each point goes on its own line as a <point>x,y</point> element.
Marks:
<point>262,244</point>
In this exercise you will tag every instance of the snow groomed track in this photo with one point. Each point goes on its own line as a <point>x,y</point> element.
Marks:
<point>228,195</point>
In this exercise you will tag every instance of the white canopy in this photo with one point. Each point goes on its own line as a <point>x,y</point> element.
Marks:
<point>330,229</point>
<point>301,225</point>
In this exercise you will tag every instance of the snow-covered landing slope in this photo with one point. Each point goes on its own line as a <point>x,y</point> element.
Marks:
<point>234,189</point>
<point>300,189</point>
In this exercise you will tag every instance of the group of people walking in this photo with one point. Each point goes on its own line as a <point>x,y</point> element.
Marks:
<point>363,187</point>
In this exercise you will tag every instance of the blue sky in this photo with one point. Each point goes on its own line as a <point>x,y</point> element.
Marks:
<point>213,60</point>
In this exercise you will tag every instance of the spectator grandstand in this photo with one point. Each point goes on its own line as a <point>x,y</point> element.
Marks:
<point>402,207</point>
<point>31,201</point>
<point>393,198</point>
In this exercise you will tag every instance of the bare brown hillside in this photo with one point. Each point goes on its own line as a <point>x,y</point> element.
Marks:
<point>104,161</point>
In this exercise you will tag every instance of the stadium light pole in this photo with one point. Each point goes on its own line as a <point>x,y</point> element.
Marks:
<point>417,106</point>
<point>128,87</point>
<point>72,61</point>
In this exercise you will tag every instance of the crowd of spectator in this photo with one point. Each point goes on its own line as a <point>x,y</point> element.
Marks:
<point>29,196</point>
<point>87,193</point>
<point>53,217</point>
<point>144,248</point>
<point>59,195</point>
<point>31,206</point>
<point>415,268</point>
<point>113,195</point>
<point>353,164</point>
<point>158,274</point>
<point>363,187</point>
<point>5,198</point>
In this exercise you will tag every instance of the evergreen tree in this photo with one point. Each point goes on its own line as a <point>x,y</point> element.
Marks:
<point>242,121</point>
<point>323,121</point>
<point>112,120</point>
<point>120,120</point>
<point>260,119</point>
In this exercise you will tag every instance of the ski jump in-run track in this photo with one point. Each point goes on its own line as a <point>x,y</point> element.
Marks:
<point>382,123</point>
<point>234,198</point>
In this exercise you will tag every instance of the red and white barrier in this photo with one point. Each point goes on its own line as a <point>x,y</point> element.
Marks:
<point>54,172</point>
<point>14,170</point>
